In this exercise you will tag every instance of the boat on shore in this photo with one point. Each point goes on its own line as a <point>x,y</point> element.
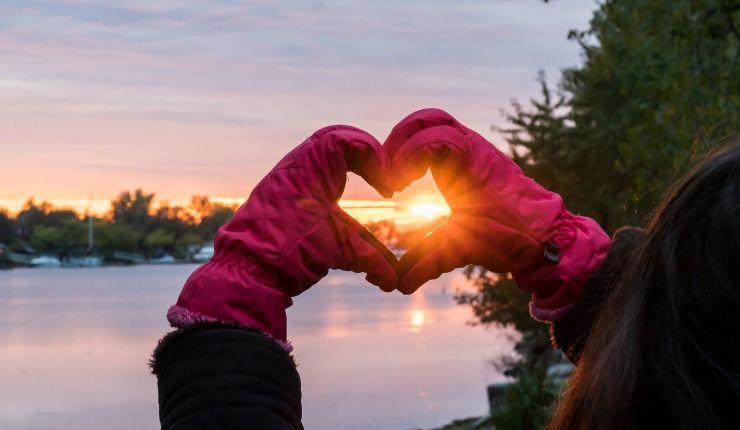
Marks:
<point>163,259</point>
<point>83,261</point>
<point>128,257</point>
<point>22,259</point>
<point>46,261</point>
<point>204,254</point>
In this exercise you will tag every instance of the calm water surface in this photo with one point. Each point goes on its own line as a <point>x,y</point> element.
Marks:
<point>74,345</point>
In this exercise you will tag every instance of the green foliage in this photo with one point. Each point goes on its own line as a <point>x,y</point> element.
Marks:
<point>505,304</point>
<point>42,214</point>
<point>496,300</point>
<point>217,216</point>
<point>134,226</point>
<point>110,237</point>
<point>201,206</point>
<point>526,403</point>
<point>186,243</point>
<point>70,235</point>
<point>8,228</point>
<point>158,239</point>
<point>132,209</point>
<point>32,215</point>
<point>44,239</point>
<point>660,85</point>
<point>210,215</point>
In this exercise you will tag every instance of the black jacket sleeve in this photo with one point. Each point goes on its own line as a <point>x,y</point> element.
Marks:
<point>221,377</point>
<point>570,332</point>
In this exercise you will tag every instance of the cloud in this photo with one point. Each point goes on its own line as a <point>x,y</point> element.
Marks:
<point>240,82</point>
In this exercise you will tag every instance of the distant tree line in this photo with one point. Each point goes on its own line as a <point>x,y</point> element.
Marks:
<point>132,224</point>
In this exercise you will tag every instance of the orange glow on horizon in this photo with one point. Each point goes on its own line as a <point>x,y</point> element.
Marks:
<point>428,210</point>
<point>418,210</point>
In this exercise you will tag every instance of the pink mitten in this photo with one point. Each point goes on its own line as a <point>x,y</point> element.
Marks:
<point>501,219</point>
<point>287,236</point>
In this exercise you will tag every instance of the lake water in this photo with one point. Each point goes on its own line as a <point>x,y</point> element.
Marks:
<point>74,345</point>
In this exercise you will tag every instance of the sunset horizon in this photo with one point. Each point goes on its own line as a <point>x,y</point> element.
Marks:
<point>189,236</point>
<point>183,101</point>
<point>410,211</point>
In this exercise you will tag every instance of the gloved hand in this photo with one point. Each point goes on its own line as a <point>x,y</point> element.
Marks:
<point>501,219</point>
<point>287,236</point>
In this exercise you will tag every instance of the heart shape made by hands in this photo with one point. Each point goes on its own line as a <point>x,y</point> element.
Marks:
<point>291,230</point>
<point>499,218</point>
<point>418,144</point>
<point>294,228</point>
<point>400,222</point>
<point>426,140</point>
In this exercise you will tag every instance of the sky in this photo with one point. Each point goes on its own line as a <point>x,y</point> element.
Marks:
<point>204,97</point>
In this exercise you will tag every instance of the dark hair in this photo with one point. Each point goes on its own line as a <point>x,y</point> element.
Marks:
<point>665,350</point>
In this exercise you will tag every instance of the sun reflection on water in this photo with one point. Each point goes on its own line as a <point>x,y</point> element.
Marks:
<point>417,312</point>
<point>417,318</point>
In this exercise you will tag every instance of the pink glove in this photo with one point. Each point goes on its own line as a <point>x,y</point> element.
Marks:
<point>501,219</point>
<point>287,236</point>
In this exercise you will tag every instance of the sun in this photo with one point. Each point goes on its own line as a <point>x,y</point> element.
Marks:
<point>428,210</point>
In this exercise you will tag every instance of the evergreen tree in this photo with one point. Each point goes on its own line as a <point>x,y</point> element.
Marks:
<point>659,87</point>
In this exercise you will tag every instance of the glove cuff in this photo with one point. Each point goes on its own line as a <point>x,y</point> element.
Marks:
<point>180,317</point>
<point>570,256</point>
<point>232,292</point>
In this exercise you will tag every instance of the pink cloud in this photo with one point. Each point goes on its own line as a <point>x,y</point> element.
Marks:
<point>205,98</point>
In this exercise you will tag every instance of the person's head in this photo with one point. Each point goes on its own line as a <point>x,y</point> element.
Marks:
<point>667,342</point>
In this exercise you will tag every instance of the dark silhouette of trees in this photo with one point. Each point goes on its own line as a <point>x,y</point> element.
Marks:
<point>132,209</point>
<point>132,225</point>
<point>8,228</point>
<point>210,215</point>
<point>658,88</point>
